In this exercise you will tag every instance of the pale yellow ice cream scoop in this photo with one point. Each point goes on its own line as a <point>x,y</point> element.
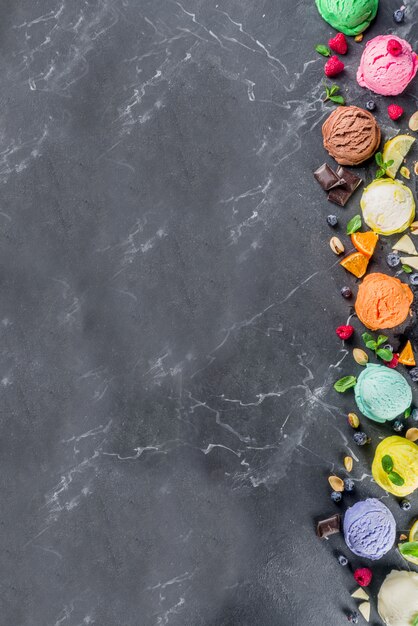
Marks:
<point>397,602</point>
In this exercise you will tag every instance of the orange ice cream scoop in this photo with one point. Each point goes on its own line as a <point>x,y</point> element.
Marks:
<point>383,301</point>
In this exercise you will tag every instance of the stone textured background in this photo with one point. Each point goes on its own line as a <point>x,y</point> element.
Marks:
<point>168,305</point>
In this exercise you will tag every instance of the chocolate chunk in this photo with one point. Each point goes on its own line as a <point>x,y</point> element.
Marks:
<point>341,195</point>
<point>327,178</point>
<point>329,526</point>
<point>352,181</point>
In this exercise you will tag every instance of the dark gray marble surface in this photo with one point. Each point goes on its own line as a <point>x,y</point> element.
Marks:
<point>168,305</point>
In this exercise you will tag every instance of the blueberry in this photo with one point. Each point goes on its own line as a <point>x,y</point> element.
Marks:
<point>360,438</point>
<point>332,220</point>
<point>414,374</point>
<point>399,15</point>
<point>349,484</point>
<point>405,505</point>
<point>342,560</point>
<point>346,292</point>
<point>353,617</point>
<point>371,105</point>
<point>393,259</point>
<point>414,415</point>
<point>398,426</point>
<point>336,496</point>
<point>413,279</point>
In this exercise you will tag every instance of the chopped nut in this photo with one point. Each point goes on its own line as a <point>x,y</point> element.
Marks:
<point>336,245</point>
<point>414,225</point>
<point>336,483</point>
<point>403,537</point>
<point>348,463</point>
<point>413,121</point>
<point>412,434</point>
<point>360,356</point>
<point>353,420</point>
<point>358,38</point>
<point>404,171</point>
<point>416,168</point>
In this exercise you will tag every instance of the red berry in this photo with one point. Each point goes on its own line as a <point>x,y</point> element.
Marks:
<point>363,576</point>
<point>394,362</point>
<point>394,47</point>
<point>338,44</point>
<point>344,332</point>
<point>333,66</point>
<point>395,111</point>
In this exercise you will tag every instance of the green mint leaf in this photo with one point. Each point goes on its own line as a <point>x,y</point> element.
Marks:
<point>408,412</point>
<point>381,339</point>
<point>367,337</point>
<point>387,463</point>
<point>345,383</point>
<point>409,548</point>
<point>385,354</point>
<point>415,620</point>
<point>407,269</point>
<point>337,99</point>
<point>334,90</point>
<point>380,173</point>
<point>389,163</point>
<point>372,345</point>
<point>324,50</point>
<point>379,158</point>
<point>396,479</point>
<point>354,225</point>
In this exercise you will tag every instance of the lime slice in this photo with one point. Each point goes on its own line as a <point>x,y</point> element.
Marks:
<point>413,533</point>
<point>396,150</point>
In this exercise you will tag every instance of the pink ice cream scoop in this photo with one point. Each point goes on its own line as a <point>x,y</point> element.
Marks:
<point>387,66</point>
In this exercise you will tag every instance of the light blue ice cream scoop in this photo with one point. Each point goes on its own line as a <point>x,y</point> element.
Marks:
<point>381,393</point>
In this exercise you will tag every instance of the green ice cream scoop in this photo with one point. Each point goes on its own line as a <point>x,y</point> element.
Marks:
<point>350,17</point>
<point>382,393</point>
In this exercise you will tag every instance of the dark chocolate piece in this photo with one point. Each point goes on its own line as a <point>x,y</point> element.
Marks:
<point>326,177</point>
<point>329,526</point>
<point>351,180</point>
<point>341,195</point>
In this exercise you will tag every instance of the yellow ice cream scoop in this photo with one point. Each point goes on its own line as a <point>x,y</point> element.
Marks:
<point>395,466</point>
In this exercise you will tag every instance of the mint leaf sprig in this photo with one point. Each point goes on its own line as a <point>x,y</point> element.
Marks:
<point>354,225</point>
<point>375,344</point>
<point>407,269</point>
<point>332,94</point>
<point>345,383</point>
<point>394,477</point>
<point>382,165</point>
<point>324,50</point>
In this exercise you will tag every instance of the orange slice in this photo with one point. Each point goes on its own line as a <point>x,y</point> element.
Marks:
<point>406,357</point>
<point>365,242</point>
<point>356,263</point>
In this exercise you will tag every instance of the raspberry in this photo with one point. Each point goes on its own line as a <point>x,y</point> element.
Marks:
<point>344,332</point>
<point>394,47</point>
<point>363,576</point>
<point>394,111</point>
<point>333,66</point>
<point>394,362</point>
<point>338,44</point>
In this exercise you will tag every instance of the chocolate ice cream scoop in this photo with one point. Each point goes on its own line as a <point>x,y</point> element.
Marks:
<point>351,135</point>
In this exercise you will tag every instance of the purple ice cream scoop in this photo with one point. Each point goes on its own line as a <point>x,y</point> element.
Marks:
<point>369,529</point>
